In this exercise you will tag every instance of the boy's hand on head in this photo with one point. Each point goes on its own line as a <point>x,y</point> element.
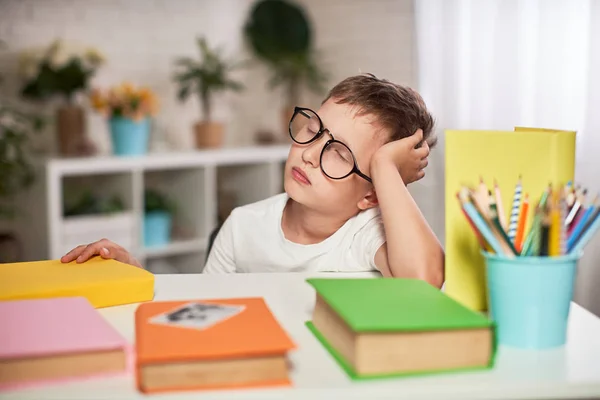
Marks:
<point>104,248</point>
<point>404,154</point>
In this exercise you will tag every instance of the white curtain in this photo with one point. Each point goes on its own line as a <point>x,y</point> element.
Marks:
<point>494,64</point>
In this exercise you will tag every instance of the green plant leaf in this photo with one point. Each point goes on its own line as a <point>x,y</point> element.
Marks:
<point>206,76</point>
<point>183,92</point>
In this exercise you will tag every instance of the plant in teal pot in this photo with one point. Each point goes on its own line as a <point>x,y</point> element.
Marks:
<point>129,111</point>
<point>158,218</point>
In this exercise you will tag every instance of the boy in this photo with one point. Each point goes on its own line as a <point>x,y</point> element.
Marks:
<point>346,206</point>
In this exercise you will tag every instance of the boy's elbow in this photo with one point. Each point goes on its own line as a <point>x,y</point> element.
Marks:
<point>429,269</point>
<point>435,268</point>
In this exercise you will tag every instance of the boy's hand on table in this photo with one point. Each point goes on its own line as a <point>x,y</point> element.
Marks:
<point>104,248</point>
<point>410,160</point>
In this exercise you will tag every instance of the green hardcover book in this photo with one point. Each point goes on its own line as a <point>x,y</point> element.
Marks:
<point>384,327</point>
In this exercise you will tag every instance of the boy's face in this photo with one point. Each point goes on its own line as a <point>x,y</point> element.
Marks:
<point>305,182</point>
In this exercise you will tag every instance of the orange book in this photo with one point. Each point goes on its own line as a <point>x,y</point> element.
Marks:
<point>209,344</point>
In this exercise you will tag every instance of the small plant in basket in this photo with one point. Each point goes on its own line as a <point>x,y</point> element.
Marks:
<point>158,216</point>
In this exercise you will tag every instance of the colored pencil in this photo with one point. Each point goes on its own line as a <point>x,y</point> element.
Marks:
<point>544,234</point>
<point>500,207</point>
<point>522,223</point>
<point>545,195</point>
<point>579,199</point>
<point>562,228</point>
<point>481,224</point>
<point>533,247</point>
<point>503,237</point>
<point>571,196</point>
<point>481,196</point>
<point>554,229</point>
<point>561,222</point>
<point>480,238</point>
<point>514,214</point>
<point>587,236</point>
<point>581,223</point>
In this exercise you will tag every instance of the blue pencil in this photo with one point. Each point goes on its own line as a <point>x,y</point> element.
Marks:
<point>581,225</point>
<point>482,227</point>
<point>587,235</point>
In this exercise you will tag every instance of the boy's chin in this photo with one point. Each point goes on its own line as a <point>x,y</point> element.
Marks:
<point>298,193</point>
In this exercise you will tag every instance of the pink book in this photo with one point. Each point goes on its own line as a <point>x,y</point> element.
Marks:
<point>44,340</point>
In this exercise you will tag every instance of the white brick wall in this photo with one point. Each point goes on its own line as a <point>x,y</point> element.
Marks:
<point>142,37</point>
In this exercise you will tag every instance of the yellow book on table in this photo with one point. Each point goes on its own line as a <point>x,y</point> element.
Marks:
<point>103,282</point>
<point>539,156</point>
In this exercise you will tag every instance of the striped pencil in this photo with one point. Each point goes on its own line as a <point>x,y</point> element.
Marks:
<point>522,223</point>
<point>514,214</point>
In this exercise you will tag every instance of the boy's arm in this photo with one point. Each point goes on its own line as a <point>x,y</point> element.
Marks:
<point>221,259</point>
<point>412,249</point>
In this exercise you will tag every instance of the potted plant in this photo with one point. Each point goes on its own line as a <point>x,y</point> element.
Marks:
<point>16,169</point>
<point>206,77</point>
<point>129,110</point>
<point>61,70</point>
<point>280,34</point>
<point>158,216</point>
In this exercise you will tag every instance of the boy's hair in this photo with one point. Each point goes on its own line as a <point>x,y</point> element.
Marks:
<point>399,109</point>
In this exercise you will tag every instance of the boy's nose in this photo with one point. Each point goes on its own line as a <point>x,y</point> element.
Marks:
<point>312,152</point>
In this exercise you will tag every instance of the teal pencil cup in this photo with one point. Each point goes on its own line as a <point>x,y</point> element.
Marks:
<point>529,299</point>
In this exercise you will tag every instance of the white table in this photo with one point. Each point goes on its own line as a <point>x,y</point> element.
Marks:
<point>569,372</point>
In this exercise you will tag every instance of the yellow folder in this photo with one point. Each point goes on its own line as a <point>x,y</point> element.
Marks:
<point>103,282</point>
<point>540,156</point>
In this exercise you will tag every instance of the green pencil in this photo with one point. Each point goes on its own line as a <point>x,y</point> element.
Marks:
<point>531,245</point>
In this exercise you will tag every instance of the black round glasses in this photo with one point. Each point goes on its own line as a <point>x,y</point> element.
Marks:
<point>337,160</point>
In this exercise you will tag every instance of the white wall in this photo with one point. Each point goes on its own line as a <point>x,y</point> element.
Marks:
<point>141,38</point>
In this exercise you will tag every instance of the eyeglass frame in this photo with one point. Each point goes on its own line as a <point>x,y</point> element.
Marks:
<point>322,130</point>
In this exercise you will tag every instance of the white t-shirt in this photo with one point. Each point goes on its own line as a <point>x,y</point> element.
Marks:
<point>251,240</point>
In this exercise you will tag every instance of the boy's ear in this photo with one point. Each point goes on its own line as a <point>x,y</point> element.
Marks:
<point>369,201</point>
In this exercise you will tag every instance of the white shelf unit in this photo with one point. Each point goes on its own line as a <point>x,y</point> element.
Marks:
<point>201,184</point>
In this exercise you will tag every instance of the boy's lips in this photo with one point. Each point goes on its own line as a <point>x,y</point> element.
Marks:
<point>300,176</point>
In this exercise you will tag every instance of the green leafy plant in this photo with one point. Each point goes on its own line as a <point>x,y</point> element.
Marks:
<point>280,34</point>
<point>16,169</point>
<point>155,201</point>
<point>89,203</point>
<point>207,76</point>
<point>61,69</point>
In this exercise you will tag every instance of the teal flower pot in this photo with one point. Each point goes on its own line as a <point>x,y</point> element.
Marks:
<point>157,228</point>
<point>129,137</point>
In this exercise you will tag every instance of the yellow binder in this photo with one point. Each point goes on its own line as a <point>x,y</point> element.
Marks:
<point>103,282</point>
<point>540,156</point>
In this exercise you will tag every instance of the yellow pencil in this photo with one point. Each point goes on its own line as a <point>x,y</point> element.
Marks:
<point>555,229</point>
